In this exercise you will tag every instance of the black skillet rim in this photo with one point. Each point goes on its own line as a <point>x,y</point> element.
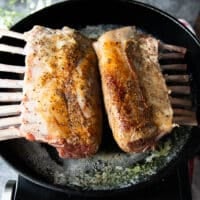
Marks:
<point>160,174</point>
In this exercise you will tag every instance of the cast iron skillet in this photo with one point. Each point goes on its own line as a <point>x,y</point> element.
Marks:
<point>39,162</point>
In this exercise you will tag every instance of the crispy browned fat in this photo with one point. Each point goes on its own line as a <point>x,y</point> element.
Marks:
<point>135,93</point>
<point>61,94</point>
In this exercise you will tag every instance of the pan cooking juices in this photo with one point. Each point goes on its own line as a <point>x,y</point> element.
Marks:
<point>109,169</point>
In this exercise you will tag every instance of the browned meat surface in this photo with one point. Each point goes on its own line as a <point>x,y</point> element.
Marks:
<point>145,59</point>
<point>135,93</point>
<point>61,103</point>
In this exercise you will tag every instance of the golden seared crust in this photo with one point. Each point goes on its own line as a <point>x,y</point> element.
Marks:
<point>62,103</point>
<point>128,63</point>
<point>128,113</point>
<point>145,58</point>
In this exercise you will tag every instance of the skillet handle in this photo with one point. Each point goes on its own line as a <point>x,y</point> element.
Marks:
<point>9,190</point>
<point>193,145</point>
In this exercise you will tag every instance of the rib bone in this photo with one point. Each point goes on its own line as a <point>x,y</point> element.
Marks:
<point>183,112</point>
<point>185,120</point>
<point>9,83</point>
<point>171,56</point>
<point>12,49</point>
<point>177,78</point>
<point>12,34</point>
<point>179,67</point>
<point>9,121</point>
<point>10,96</point>
<point>180,89</point>
<point>12,68</point>
<point>170,47</point>
<point>9,110</point>
<point>10,133</point>
<point>180,102</point>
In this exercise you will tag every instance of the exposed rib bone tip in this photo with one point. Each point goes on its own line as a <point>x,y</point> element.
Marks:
<point>178,67</point>
<point>175,48</point>
<point>171,56</point>
<point>12,68</point>
<point>10,96</point>
<point>12,34</point>
<point>9,83</point>
<point>180,89</point>
<point>185,120</point>
<point>9,133</point>
<point>9,110</point>
<point>177,78</point>
<point>184,112</point>
<point>9,121</point>
<point>12,49</point>
<point>180,102</point>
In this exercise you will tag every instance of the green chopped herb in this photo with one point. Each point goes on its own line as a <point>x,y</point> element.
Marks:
<point>118,177</point>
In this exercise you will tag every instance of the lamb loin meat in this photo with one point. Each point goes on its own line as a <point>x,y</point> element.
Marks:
<point>135,93</point>
<point>61,94</point>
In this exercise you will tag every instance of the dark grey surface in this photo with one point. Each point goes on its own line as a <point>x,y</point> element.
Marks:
<point>187,9</point>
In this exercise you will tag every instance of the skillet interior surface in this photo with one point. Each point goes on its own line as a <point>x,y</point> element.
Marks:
<point>110,169</point>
